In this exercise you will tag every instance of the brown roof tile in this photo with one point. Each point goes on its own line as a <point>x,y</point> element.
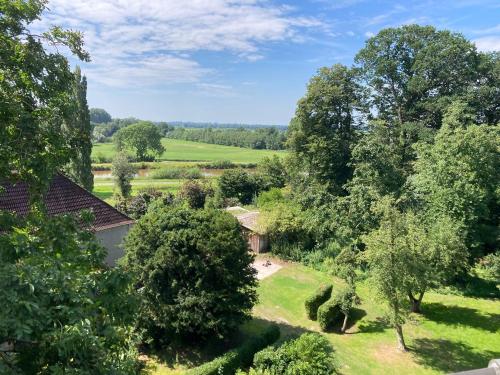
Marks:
<point>63,197</point>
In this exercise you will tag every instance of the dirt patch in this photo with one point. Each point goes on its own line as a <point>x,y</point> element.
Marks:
<point>265,267</point>
<point>389,354</point>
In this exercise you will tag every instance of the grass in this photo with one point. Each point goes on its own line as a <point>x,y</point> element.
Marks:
<point>179,150</point>
<point>454,333</point>
<point>104,187</point>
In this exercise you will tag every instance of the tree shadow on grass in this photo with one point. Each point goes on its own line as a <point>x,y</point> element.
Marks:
<point>457,315</point>
<point>193,354</point>
<point>449,356</point>
<point>373,326</point>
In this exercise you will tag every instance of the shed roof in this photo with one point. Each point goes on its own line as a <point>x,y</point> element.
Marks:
<point>63,197</point>
<point>250,220</point>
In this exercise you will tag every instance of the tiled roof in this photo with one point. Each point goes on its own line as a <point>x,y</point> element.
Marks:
<point>63,197</point>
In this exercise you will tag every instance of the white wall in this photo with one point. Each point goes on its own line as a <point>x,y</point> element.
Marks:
<point>112,240</point>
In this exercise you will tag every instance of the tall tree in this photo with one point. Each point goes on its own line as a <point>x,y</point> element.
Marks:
<point>458,176</point>
<point>123,172</point>
<point>387,254</point>
<point>35,96</point>
<point>99,116</point>
<point>79,131</point>
<point>142,138</point>
<point>322,132</point>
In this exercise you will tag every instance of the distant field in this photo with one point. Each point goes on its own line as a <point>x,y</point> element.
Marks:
<point>179,150</point>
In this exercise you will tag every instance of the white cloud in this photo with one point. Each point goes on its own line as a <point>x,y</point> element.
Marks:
<point>488,43</point>
<point>152,41</point>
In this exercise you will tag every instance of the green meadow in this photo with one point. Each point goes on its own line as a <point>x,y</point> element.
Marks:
<point>179,150</point>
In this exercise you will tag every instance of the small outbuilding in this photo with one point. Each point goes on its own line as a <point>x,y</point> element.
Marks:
<point>66,197</point>
<point>258,240</point>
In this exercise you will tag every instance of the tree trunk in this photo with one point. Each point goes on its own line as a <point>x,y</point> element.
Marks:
<point>401,340</point>
<point>344,325</point>
<point>416,302</point>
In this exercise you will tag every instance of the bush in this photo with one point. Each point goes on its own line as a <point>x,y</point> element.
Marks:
<point>195,193</point>
<point>320,296</point>
<point>242,357</point>
<point>310,354</point>
<point>490,264</point>
<point>268,198</point>
<point>101,158</point>
<point>194,270</point>
<point>328,314</point>
<point>176,173</point>
<point>239,184</point>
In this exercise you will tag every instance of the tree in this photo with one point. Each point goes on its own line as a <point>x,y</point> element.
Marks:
<point>143,138</point>
<point>322,131</point>
<point>236,183</point>
<point>79,131</point>
<point>310,354</point>
<point>345,267</point>
<point>99,116</point>
<point>436,253</point>
<point>194,272</point>
<point>123,172</point>
<point>414,71</point>
<point>63,310</point>
<point>387,257</point>
<point>458,176</point>
<point>35,96</point>
<point>271,172</point>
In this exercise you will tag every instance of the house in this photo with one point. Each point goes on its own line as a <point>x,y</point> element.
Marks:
<point>66,197</point>
<point>258,240</point>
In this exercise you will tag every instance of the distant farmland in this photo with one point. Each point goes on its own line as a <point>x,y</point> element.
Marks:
<point>179,150</point>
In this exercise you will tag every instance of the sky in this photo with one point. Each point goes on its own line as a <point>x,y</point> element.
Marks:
<point>237,61</point>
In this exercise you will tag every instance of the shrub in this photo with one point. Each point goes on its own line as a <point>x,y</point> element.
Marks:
<point>241,357</point>
<point>329,313</point>
<point>310,354</point>
<point>491,265</point>
<point>176,173</point>
<point>320,296</point>
<point>268,198</point>
<point>194,270</point>
<point>195,193</point>
<point>237,183</point>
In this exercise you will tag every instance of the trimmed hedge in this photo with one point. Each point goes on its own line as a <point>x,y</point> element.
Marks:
<point>328,314</point>
<point>228,363</point>
<point>320,296</point>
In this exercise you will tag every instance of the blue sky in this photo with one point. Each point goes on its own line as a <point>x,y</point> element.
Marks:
<point>245,61</point>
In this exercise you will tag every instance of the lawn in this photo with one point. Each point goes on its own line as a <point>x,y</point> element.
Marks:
<point>454,333</point>
<point>179,150</point>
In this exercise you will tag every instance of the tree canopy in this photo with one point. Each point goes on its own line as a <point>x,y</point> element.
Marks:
<point>143,138</point>
<point>99,116</point>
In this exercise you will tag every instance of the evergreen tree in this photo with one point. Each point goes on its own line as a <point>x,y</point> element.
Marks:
<point>80,133</point>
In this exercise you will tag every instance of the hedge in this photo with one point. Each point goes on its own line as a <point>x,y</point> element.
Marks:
<point>228,363</point>
<point>320,296</point>
<point>328,314</point>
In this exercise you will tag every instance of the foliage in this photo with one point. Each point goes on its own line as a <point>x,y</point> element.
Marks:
<point>271,172</point>
<point>137,206</point>
<point>329,313</point>
<point>270,197</point>
<point>99,116</point>
<point>143,138</point>
<point>35,96</point>
<point>195,193</point>
<point>79,131</point>
<point>270,138</point>
<point>240,357</point>
<point>490,264</point>
<point>313,302</point>
<point>310,354</point>
<point>458,176</point>
<point>284,224</point>
<point>194,271</point>
<point>322,130</point>
<point>176,173</point>
<point>123,172</point>
<point>239,184</point>
<point>63,310</point>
